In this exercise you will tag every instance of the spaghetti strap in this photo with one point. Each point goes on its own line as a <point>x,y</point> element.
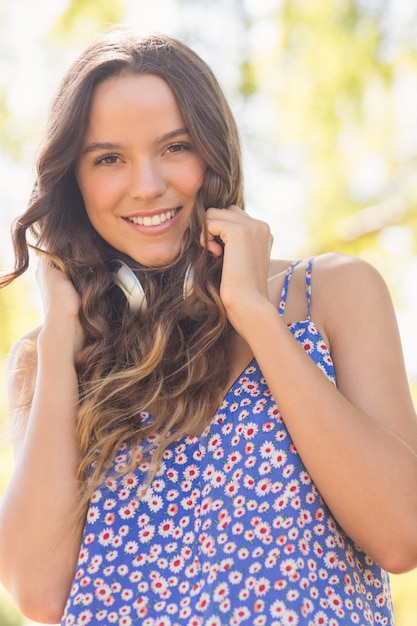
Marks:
<point>287,279</point>
<point>308,285</point>
<point>284,292</point>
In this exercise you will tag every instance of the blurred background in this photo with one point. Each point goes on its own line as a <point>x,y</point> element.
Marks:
<point>325,94</point>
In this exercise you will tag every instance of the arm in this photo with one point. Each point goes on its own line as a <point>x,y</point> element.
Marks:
<point>359,440</point>
<point>38,544</point>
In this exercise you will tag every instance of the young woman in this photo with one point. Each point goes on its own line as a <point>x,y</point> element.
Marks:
<point>203,435</point>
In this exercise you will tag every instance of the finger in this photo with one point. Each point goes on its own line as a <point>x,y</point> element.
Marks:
<point>213,244</point>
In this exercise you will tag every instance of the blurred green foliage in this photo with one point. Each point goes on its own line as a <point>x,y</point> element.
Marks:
<point>83,17</point>
<point>336,75</point>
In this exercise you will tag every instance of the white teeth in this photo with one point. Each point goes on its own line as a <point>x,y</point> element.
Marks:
<point>155,220</point>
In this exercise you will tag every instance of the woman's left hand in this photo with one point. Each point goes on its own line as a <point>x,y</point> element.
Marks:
<point>246,249</point>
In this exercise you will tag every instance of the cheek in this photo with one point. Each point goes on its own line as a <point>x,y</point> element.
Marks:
<point>191,178</point>
<point>98,203</point>
<point>99,196</point>
<point>195,183</point>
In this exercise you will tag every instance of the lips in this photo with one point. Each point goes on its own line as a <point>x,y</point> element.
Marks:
<point>153,220</point>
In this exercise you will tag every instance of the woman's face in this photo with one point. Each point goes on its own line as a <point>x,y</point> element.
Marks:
<point>138,171</point>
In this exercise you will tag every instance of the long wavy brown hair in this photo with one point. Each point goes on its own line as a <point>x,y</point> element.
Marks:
<point>167,356</point>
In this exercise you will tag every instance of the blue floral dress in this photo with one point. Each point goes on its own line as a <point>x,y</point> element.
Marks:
<point>232,530</point>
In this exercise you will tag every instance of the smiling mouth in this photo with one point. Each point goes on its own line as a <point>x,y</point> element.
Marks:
<point>153,220</point>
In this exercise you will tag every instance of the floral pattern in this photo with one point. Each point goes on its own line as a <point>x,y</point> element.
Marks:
<point>232,530</point>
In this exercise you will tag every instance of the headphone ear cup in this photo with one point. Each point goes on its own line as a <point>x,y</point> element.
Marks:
<point>197,312</point>
<point>129,283</point>
<point>188,282</point>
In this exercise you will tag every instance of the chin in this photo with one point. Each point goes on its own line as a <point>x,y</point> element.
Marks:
<point>155,260</point>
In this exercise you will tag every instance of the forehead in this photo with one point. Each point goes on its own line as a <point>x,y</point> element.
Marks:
<point>134,99</point>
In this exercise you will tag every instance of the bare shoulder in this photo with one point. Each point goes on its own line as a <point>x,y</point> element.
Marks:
<point>334,266</point>
<point>340,280</point>
<point>20,380</point>
<point>350,298</point>
<point>22,356</point>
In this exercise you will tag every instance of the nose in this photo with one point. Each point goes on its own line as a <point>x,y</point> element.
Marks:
<point>146,180</point>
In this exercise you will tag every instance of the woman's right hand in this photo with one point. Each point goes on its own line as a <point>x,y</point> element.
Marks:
<point>61,302</point>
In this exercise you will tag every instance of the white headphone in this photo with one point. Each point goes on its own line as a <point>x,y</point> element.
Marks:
<point>125,278</point>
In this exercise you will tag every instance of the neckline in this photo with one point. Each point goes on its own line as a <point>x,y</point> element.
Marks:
<point>252,362</point>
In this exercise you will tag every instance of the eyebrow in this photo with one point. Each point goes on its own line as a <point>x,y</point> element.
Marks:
<point>173,134</point>
<point>106,145</point>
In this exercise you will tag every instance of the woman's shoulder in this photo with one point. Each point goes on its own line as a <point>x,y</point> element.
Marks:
<point>348,291</point>
<point>340,284</point>
<point>342,276</point>
<point>22,354</point>
<point>327,264</point>
<point>20,381</point>
<point>21,366</point>
<point>340,261</point>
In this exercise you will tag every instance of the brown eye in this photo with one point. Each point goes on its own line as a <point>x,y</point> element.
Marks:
<point>108,159</point>
<point>178,147</point>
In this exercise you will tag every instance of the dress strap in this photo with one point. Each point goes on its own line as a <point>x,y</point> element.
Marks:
<point>284,291</point>
<point>308,285</point>
<point>287,279</point>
